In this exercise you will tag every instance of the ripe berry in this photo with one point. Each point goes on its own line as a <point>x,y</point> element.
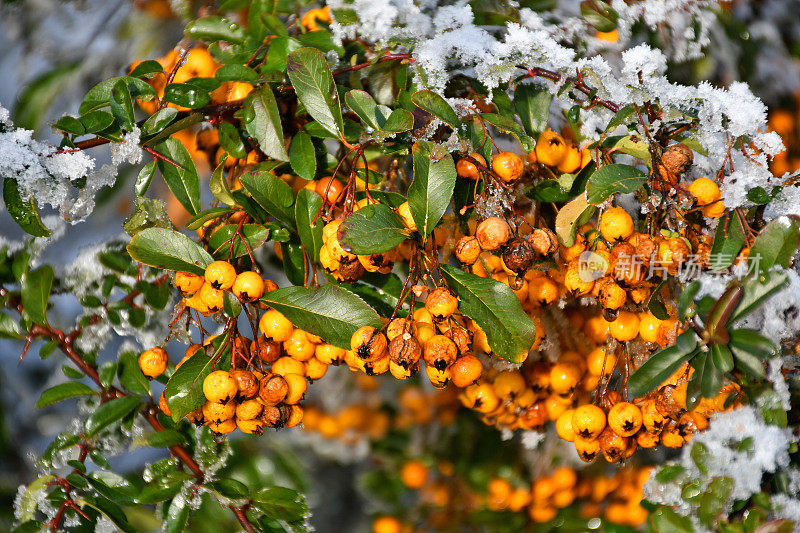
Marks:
<point>250,427</point>
<point>219,412</point>
<point>330,189</point>
<point>297,346</point>
<point>275,326</point>
<point>219,387</point>
<point>587,448</point>
<point>220,275</point>
<point>625,327</point>
<point>564,378</point>
<point>293,416</point>
<point>211,297</point>
<point>611,296</point>
<point>368,344</point>
<point>508,384</point>
<point>600,362</point>
<point>616,224</point>
<point>714,210</point>
<point>467,169</point>
<point>315,369</point>
<point>248,286</point>
<point>438,378</point>
<point>612,445</point>
<point>466,370</point>
<point>441,303</point>
<point>400,372</point>
<point>588,421</point>
<point>287,365</point>
<point>704,190</point>
<point>440,352</point>
<point>571,162</point>
<point>224,427</point>
<point>153,362</point>
<point>297,386</point>
<point>467,249</point>
<point>493,233</point>
<point>543,241</point>
<point>625,419</point>
<point>188,283</point>
<point>542,291</point>
<point>550,148</point>
<point>249,410</point>
<point>652,420</point>
<point>414,474</point>
<point>267,350</point>
<point>508,166</point>
<point>564,426</point>
<point>480,397</point>
<point>329,354</point>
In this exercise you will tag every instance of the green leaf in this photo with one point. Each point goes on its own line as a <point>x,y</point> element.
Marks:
<point>363,105</point>
<point>108,413</point>
<point>723,359</point>
<point>620,117</point>
<point>571,216</point>
<point>111,510</point>
<point>231,305</point>
<point>9,328</point>
<point>281,503</point>
<point>399,120</point>
<point>381,291</point>
<point>218,185</point>
<point>231,141</point>
<point>187,94</point>
<point>758,289</point>
<point>96,121</point>
<point>685,303</point>
<point>263,122</point>
<point>69,124</point>
<point>183,182</point>
<point>294,262</point>
<point>230,488</point>
<point>312,80</point>
<point>775,244</point>
<point>613,179</point>
<point>35,99</point>
<point>184,392</point>
<point>329,312</point>
<point>532,103</point>
<point>714,500</point>
<point>165,438</point>
<point>661,365</point>
<point>143,69</point>
<point>748,362</point>
<point>629,144</point>
<point>177,516</point>
<point>599,14</point>
<point>437,106</point>
<point>271,193</point>
<point>496,309</point>
<point>169,250</point>
<point>306,208</point>
<point>215,28</point>
<point>373,229</point>
<point>665,520</point>
<point>100,95</point>
<point>62,392</point>
<point>24,212</point>
<point>130,375</point>
<point>508,125</point>
<point>145,176</point>
<point>113,486</point>
<point>36,286</point>
<point>753,342</point>
<point>149,213</point>
<point>234,72</point>
<point>254,234</point>
<point>122,105</point>
<point>302,156</point>
<point>432,187</point>
<point>728,241</point>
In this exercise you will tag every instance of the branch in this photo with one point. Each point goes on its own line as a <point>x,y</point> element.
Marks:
<point>577,81</point>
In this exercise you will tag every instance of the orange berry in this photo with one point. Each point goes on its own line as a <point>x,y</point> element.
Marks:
<point>508,166</point>
<point>616,224</point>
<point>550,148</point>
<point>467,169</point>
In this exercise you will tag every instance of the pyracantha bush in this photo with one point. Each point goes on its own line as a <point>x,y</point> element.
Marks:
<point>552,252</point>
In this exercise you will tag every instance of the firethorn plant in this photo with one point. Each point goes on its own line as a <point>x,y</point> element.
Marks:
<point>516,219</point>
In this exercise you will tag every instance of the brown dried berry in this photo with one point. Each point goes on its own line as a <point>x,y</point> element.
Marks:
<point>273,389</point>
<point>272,417</point>
<point>518,255</point>
<point>677,159</point>
<point>240,352</point>
<point>351,271</point>
<point>543,241</point>
<point>247,383</point>
<point>267,350</point>
<point>468,250</point>
<point>493,233</point>
<point>404,350</point>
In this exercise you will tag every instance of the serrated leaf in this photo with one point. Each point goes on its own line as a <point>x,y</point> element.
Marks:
<point>149,213</point>
<point>437,106</point>
<point>620,117</point>
<point>109,413</point>
<point>100,95</point>
<point>230,488</point>
<point>373,229</point>
<point>271,193</point>
<point>122,105</point>
<point>312,80</point>
<point>329,312</point>
<point>169,250</point>
<point>370,113</point>
<point>532,104</point>
<point>775,244</point>
<point>254,235</point>
<point>613,179</point>
<point>432,187</point>
<point>496,309</point>
<point>306,208</point>
<point>63,391</point>
<point>183,182</point>
<point>302,156</point>
<point>399,120</point>
<point>263,122</point>
<point>188,94</point>
<point>661,365</point>
<point>280,503</point>
<point>24,212</point>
